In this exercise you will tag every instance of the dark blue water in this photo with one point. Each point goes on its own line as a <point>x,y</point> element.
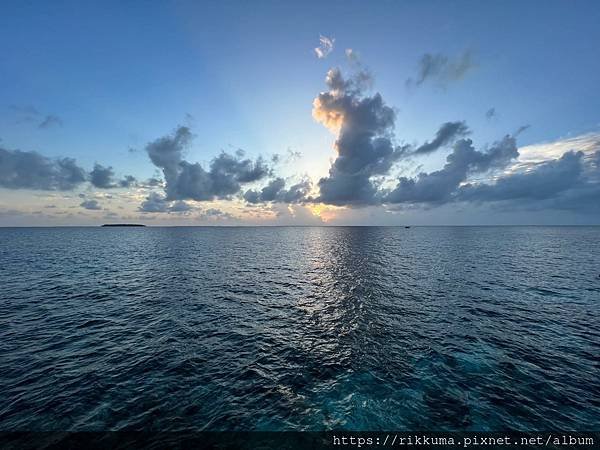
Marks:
<point>300,328</point>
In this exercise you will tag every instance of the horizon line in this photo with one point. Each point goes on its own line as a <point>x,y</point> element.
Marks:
<point>304,226</point>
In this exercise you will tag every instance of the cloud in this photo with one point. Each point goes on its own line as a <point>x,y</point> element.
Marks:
<point>180,206</point>
<point>367,153</point>
<point>289,156</point>
<point>29,113</point>
<point>157,203</point>
<point>275,192</point>
<point>352,55</point>
<point>490,114</point>
<point>127,181</point>
<point>442,69</point>
<point>154,203</point>
<point>50,121</point>
<point>587,143</point>
<point>446,134</point>
<point>215,214</point>
<point>440,186</point>
<point>104,178</point>
<point>293,154</point>
<point>521,129</point>
<point>570,182</point>
<point>153,182</point>
<point>90,204</point>
<point>545,181</point>
<point>325,47</point>
<point>184,180</point>
<point>364,144</point>
<point>30,170</point>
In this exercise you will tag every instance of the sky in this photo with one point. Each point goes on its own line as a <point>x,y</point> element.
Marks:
<point>299,113</point>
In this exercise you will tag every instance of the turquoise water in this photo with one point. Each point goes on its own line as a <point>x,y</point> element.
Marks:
<point>365,328</point>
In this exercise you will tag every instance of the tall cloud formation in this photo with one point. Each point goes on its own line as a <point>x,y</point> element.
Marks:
<point>184,180</point>
<point>442,69</point>
<point>364,145</point>
<point>30,170</point>
<point>360,174</point>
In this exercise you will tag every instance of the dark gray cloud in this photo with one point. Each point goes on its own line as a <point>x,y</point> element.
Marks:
<point>184,180</point>
<point>30,170</point>
<point>447,133</point>
<point>180,206</point>
<point>441,68</point>
<point>296,193</point>
<point>104,178</point>
<point>154,203</point>
<point>521,129</point>
<point>127,181</point>
<point>267,194</point>
<point>545,181</point>
<point>157,203</point>
<point>365,142</point>
<point>289,156</point>
<point>569,183</point>
<point>90,204</point>
<point>440,186</point>
<point>275,192</point>
<point>153,182</point>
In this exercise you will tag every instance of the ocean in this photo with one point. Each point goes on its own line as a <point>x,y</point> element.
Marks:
<point>300,328</point>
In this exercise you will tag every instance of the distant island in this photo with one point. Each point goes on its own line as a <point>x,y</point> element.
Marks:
<point>123,225</point>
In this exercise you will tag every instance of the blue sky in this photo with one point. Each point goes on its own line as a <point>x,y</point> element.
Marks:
<point>116,76</point>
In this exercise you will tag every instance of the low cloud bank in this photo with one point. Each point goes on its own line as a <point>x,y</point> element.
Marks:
<point>31,170</point>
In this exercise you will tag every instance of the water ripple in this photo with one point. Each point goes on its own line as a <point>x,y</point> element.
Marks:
<point>300,328</point>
